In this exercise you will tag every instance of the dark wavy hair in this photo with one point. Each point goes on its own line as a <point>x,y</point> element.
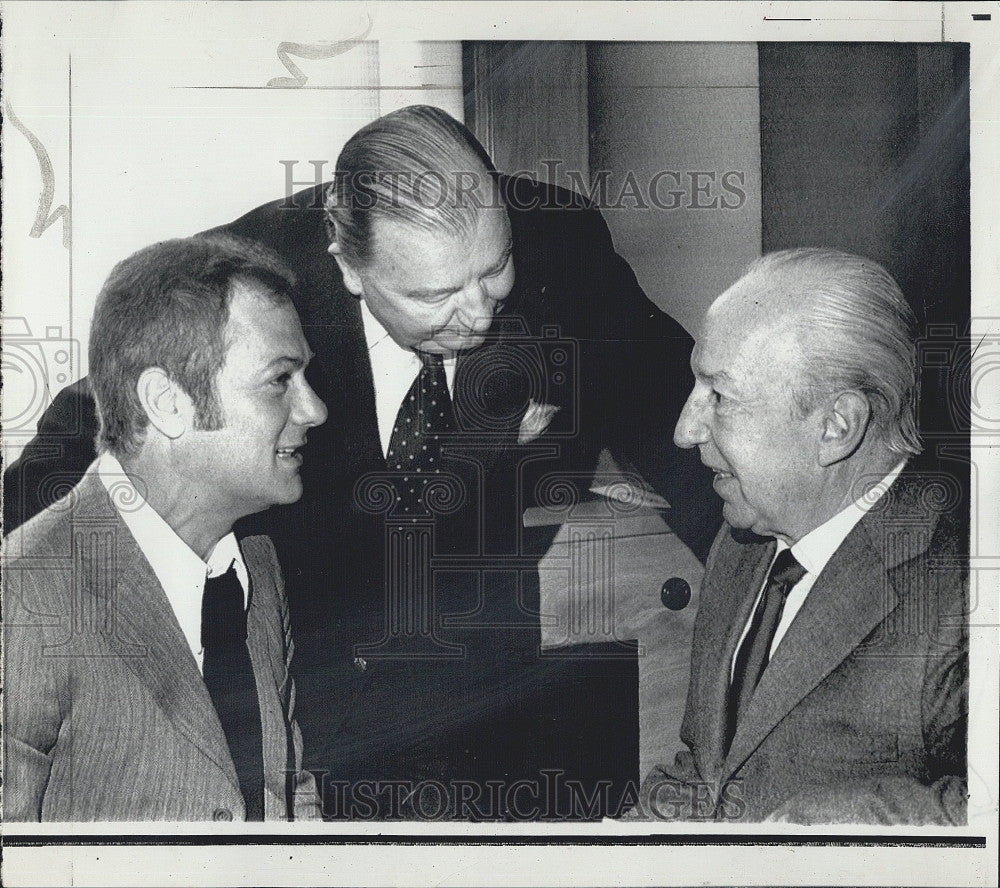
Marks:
<point>167,306</point>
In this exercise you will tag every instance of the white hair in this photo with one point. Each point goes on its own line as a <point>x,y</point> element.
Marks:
<point>856,331</point>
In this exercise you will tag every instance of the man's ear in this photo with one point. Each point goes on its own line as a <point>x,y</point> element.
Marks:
<point>169,408</point>
<point>352,280</point>
<point>844,426</point>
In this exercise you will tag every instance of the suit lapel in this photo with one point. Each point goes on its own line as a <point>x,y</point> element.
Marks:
<point>262,609</point>
<point>267,655</point>
<point>851,597</point>
<point>357,418</point>
<point>141,626</point>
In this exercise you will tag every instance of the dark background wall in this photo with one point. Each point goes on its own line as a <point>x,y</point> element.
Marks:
<point>865,147</point>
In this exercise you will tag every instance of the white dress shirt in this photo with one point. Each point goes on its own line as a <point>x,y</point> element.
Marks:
<point>180,571</point>
<point>813,552</point>
<point>393,370</point>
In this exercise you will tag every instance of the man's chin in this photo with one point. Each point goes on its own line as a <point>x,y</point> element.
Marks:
<point>290,493</point>
<point>736,517</point>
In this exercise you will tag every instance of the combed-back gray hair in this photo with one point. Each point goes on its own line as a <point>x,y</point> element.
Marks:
<point>417,165</point>
<point>856,331</point>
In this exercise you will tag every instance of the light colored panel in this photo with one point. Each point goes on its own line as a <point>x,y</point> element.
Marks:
<point>681,118</point>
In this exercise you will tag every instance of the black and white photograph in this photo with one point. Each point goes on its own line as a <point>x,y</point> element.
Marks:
<point>481,443</point>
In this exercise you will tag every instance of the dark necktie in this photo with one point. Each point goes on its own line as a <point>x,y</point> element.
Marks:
<point>754,653</point>
<point>415,445</point>
<point>229,678</point>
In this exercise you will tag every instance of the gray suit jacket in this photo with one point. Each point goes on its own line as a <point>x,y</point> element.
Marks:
<point>106,716</point>
<point>861,715</point>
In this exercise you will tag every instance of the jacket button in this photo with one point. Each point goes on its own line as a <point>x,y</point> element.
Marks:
<point>360,663</point>
<point>675,594</point>
<point>222,814</point>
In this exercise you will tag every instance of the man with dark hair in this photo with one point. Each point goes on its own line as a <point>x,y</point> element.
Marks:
<point>830,664</point>
<point>491,317</point>
<point>147,652</point>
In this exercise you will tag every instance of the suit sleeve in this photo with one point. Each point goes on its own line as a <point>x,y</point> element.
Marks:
<point>32,714</point>
<point>945,707</point>
<point>55,459</point>
<point>890,802</point>
<point>940,798</point>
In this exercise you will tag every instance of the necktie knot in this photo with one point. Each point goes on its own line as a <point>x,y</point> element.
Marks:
<point>223,616</point>
<point>431,361</point>
<point>786,571</point>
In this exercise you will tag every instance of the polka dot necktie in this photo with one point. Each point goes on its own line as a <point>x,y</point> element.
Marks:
<point>424,417</point>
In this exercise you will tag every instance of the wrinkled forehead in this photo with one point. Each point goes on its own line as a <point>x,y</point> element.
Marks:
<point>485,229</point>
<point>750,330</point>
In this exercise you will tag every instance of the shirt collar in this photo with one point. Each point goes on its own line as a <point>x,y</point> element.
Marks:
<point>381,345</point>
<point>816,548</point>
<point>177,567</point>
<point>375,333</point>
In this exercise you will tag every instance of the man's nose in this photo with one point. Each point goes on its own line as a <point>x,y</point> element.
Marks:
<point>475,309</point>
<point>310,410</point>
<point>691,429</point>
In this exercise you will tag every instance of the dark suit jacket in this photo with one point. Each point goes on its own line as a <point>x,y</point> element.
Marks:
<point>106,716</point>
<point>477,700</point>
<point>861,715</point>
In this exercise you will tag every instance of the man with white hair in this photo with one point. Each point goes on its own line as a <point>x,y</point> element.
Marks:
<point>830,659</point>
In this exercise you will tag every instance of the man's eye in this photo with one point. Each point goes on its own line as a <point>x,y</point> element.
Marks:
<point>282,380</point>
<point>500,269</point>
<point>717,397</point>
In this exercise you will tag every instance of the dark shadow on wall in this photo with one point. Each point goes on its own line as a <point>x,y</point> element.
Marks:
<point>865,147</point>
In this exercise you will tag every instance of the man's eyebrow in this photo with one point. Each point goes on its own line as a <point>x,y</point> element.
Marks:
<point>295,361</point>
<point>713,377</point>
<point>720,376</point>
<point>444,291</point>
<point>429,294</point>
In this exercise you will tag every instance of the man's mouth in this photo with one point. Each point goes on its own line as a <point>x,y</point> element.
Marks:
<point>459,333</point>
<point>289,452</point>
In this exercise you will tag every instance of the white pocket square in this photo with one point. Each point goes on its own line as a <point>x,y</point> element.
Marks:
<point>536,420</point>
